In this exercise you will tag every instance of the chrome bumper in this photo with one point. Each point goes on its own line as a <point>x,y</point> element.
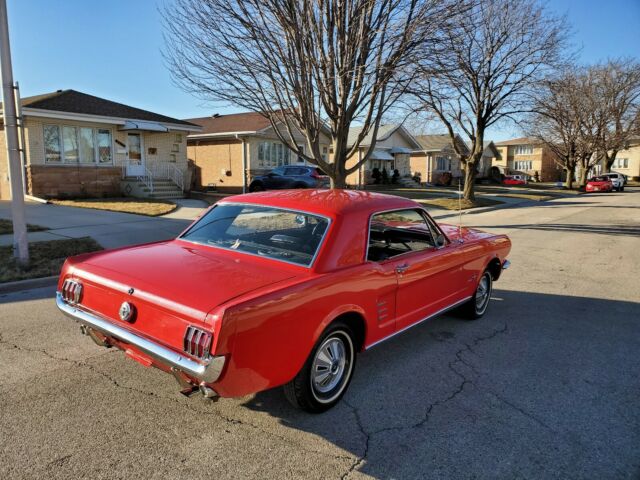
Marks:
<point>207,371</point>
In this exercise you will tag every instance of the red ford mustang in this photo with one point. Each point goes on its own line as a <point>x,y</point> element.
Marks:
<point>270,289</point>
<point>599,184</point>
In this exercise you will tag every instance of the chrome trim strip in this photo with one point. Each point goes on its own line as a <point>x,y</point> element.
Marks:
<point>506,264</point>
<point>442,310</point>
<point>222,203</point>
<point>208,371</point>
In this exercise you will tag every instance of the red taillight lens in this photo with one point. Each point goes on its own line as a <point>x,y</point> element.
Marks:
<point>72,291</point>
<point>197,342</point>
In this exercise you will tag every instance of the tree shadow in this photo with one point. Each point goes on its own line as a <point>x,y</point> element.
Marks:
<point>616,230</point>
<point>511,395</point>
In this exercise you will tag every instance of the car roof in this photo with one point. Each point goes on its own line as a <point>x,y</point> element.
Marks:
<point>328,202</point>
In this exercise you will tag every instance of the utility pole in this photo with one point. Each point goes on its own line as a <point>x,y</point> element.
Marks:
<point>20,242</point>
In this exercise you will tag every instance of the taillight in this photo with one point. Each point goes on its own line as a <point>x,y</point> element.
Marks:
<point>71,291</point>
<point>197,342</point>
<point>315,174</point>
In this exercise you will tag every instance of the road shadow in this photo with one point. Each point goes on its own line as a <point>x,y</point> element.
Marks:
<point>533,390</point>
<point>617,230</point>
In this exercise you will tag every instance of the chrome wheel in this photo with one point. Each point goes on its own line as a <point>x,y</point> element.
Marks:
<point>331,367</point>
<point>483,293</point>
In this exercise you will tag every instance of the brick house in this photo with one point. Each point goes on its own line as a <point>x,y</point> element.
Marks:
<point>627,160</point>
<point>392,150</point>
<point>232,149</point>
<point>435,157</point>
<point>79,145</point>
<point>527,156</point>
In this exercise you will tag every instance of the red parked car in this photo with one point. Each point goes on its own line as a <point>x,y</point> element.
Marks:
<point>270,289</point>
<point>514,180</point>
<point>599,184</point>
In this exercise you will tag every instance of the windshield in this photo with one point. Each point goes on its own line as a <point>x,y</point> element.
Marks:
<point>275,233</point>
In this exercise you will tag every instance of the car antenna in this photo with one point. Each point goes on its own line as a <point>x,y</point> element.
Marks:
<point>460,212</point>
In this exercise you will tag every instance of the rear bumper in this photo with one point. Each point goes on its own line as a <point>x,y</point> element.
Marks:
<point>207,371</point>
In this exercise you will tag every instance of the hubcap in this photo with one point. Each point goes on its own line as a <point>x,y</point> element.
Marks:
<point>329,365</point>
<point>482,293</point>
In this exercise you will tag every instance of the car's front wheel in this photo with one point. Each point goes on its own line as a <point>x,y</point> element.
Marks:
<point>477,305</point>
<point>326,374</point>
<point>256,187</point>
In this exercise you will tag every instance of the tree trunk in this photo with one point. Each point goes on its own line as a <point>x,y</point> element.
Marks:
<point>469,180</point>
<point>339,181</point>
<point>569,181</point>
<point>582,181</point>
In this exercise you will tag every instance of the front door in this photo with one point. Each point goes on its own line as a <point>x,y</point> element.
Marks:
<point>135,167</point>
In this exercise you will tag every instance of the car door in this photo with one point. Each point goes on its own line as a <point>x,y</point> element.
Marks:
<point>428,274</point>
<point>275,179</point>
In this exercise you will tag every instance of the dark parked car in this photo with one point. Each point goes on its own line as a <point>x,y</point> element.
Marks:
<point>290,177</point>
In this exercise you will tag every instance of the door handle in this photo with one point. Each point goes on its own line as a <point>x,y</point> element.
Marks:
<point>402,268</point>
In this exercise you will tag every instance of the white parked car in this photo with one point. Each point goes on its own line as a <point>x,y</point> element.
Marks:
<point>617,179</point>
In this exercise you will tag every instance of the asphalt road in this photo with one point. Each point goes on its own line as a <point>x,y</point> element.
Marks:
<point>545,386</point>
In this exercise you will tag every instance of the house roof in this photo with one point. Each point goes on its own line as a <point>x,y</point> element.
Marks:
<point>232,123</point>
<point>517,141</point>
<point>72,101</point>
<point>384,132</point>
<point>438,142</point>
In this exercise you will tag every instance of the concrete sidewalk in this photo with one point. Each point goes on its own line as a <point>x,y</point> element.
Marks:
<point>109,229</point>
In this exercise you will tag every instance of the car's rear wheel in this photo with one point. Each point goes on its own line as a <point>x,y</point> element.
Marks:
<point>256,187</point>
<point>477,305</point>
<point>326,374</point>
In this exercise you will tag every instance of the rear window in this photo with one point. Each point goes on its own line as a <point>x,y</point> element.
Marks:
<point>284,235</point>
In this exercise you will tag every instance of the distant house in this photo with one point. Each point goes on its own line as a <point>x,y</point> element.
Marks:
<point>435,157</point>
<point>232,149</point>
<point>392,151</point>
<point>77,144</point>
<point>527,156</point>
<point>485,167</point>
<point>627,161</point>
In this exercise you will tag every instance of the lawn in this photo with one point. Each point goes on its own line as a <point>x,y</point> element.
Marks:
<point>140,206</point>
<point>454,204</point>
<point>6,226</point>
<point>46,258</point>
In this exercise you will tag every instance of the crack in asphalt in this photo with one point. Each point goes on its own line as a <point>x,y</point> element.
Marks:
<point>360,460</point>
<point>192,408</point>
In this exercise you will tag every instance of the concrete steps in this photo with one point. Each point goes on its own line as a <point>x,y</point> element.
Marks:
<point>162,189</point>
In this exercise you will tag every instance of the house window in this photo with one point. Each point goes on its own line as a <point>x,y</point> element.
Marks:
<point>524,150</point>
<point>172,158</point>
<point>620,163</point>
<point>523,165</point>
<point>70,144</point>
<point>77,145</point>
<point>443,164</point>
<point>87,147</point>
<point>52,144</point>
<point>325,150</point>
<point>104,145</point>
<point>175,147</point>
<point>272,154</point>
<point>178,138</point>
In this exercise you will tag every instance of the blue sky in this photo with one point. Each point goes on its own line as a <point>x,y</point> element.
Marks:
<point>112,49</point>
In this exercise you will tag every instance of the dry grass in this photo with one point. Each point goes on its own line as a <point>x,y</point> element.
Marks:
<point>453,204</point>
<point>45,258</point>
<point>6,226</point>
<point>139,206</point>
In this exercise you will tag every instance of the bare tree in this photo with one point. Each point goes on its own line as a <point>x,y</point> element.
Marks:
<point>311,67</point>
<point>617,90</point>
<point>492,62</point>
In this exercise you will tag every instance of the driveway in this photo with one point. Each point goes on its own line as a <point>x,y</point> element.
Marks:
<point>109,229</point>
<point>545,386</point>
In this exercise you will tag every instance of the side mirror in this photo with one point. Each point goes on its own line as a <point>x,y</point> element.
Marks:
<point>440,241</point>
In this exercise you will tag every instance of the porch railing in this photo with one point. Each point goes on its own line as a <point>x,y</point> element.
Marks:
<point>157,170</point>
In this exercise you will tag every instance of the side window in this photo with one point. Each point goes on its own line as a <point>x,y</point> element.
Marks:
<point>398,232</point>
<point>278,171</point>
<point>292,171</point>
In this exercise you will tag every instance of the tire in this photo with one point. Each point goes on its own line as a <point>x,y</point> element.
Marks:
<point>256,187</point>
<point>476,307</point>
<point>318,393</point>
<point>621,189</point>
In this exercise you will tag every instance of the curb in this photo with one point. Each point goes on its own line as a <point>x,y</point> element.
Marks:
<point>10,287</point>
